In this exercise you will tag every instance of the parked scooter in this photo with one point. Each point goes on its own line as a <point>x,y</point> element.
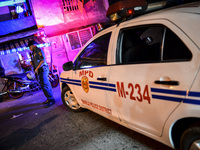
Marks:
<point>53,74</point>
<point>16,85</point>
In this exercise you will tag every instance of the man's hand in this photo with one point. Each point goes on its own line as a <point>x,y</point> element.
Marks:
<point>31,62</point>
<point>36,71</point>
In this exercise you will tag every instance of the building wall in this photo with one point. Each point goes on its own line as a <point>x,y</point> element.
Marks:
<point>58,51</point>
<point>62,49</point>
<point>4,13</point>
<point>47,13</point>
<point>57,20</point>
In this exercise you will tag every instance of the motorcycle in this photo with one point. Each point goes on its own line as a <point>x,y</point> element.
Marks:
<point>53,77</point>
<point>16,85</point>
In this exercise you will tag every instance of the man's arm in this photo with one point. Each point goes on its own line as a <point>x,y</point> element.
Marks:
<point>40,64</point>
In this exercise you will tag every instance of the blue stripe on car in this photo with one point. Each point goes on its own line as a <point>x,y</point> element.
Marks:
<point>166,91</point>
<point>168,98</point>
<point>100,83</point>
<point>72,80</point>
<point>174,98</point>
<point>155,95</point>
<point>72,83</point>
<point>103,88</point>
<point>92,84</point>
<point>194,94</point>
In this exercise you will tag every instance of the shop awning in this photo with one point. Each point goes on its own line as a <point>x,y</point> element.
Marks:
<point>20,45</point>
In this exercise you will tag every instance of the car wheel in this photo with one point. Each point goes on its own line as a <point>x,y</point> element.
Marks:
<point>190,140</point>
<point>70,101</point>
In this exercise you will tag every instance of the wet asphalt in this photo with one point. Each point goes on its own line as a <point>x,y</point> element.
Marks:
<point>26,125</point>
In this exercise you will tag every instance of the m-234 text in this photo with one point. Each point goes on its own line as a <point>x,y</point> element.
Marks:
<point>134,92</point>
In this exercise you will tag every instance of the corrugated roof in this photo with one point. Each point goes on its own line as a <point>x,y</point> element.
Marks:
<point>20,45</point>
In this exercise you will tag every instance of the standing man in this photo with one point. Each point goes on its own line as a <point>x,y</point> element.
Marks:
<point>41,68</point>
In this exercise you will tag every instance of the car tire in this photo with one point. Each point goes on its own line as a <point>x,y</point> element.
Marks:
<point>70,101</point>
<point>190,139</point>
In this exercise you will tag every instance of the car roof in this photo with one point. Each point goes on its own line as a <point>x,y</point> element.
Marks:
<point>186,17</point>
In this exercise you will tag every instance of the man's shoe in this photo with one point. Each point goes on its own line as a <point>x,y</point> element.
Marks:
<point>45,102</point>
<point>50,103</point>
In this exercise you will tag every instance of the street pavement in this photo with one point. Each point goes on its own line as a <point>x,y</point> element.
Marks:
<point>26,125</point>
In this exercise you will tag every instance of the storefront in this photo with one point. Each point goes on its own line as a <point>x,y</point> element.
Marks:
<point>15,53</point>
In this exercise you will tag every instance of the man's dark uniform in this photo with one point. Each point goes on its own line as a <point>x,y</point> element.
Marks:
<point>37,56</point>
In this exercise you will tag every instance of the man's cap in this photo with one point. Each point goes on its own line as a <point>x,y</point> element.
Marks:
<point>31,43</point>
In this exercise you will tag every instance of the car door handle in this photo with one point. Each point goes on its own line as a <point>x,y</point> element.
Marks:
<point>102,79</point>
<point>167,82</point>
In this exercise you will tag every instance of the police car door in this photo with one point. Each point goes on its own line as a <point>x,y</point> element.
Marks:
<point>92,71</point>
<point>153,72</point>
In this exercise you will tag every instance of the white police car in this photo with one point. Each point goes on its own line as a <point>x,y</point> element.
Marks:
<point>143,74</point>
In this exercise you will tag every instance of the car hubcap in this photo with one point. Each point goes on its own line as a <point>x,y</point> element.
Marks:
<point>70,100</point>
<point>195,145</point>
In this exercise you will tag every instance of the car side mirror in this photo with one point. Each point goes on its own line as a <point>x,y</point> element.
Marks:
<point>68,66</point>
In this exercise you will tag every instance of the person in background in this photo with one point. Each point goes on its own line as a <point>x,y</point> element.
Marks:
<point>41,68</point>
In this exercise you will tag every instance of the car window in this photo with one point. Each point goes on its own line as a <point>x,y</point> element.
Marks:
<point>142,45</point>
<point>148,44</point>
<point>174,48</point>
<point>95,54</point>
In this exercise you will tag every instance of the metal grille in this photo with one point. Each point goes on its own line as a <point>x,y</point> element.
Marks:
<point>70,5</point>
<point>77,39</point>
<point>85,35</point>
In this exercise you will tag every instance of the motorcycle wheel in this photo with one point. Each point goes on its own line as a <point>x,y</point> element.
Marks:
<point>54,81</point>
<point>15,95</point>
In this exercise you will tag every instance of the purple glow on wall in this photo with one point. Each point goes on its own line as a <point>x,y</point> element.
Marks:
<point>48,13</point>
<point>58,19</point>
